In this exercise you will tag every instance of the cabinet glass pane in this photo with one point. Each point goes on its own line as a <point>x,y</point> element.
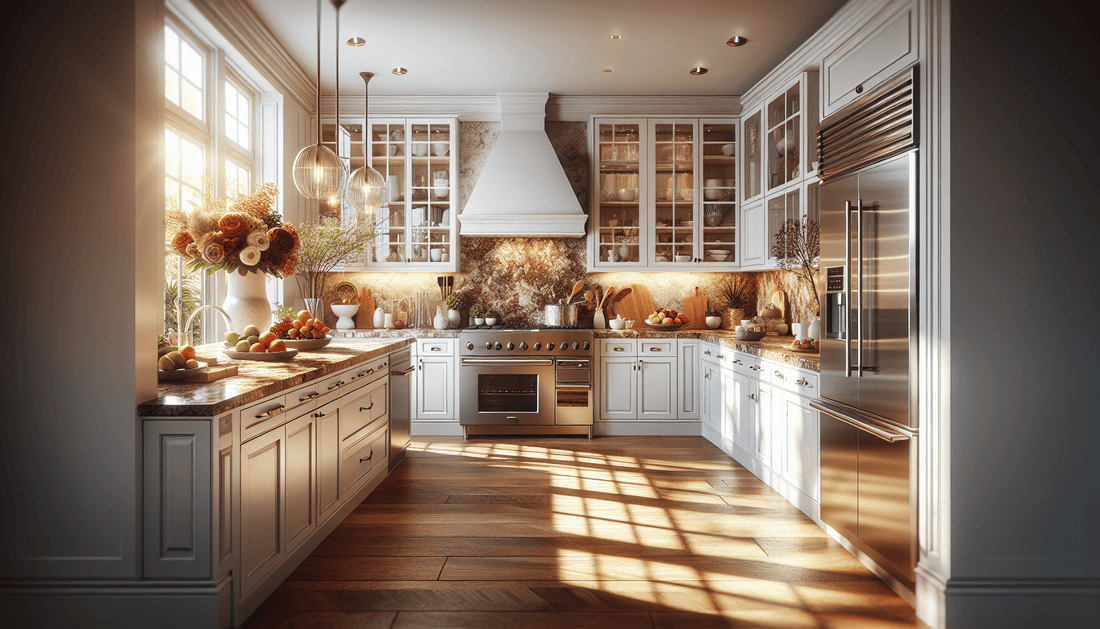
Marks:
<point>753,156</point>
<point>618,209</point>
<point>674,191</point>
<point>719,192</point>
<point>388,158</point>
<point>781,209</point>
<point>783,140</point>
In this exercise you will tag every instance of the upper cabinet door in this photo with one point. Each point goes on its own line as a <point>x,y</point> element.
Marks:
<point>619,193</point>
<point>784,137</point>
<point>719,217</point>
<point>673,186</point>
<point>753,151</point>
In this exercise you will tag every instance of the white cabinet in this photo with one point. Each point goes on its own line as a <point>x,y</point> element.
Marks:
<point>434,380</point>
<point>263,514</point>
<point>761,404</point>
<point>687,357</point>
<point>327,420</point>
<point>657,387</point>
<point>884,46</point>
<point>730,422</point>
<point>754,237</point>
<point>710,396</point>
<point>619,387</point>
<point>744,396</point>
<point>177,491</point>
<point>801,445</point>
<point>301,477</point>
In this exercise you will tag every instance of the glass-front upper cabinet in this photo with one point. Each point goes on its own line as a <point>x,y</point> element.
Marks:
<point>784,133</point>
<point>719,229</point>
<point>753,156</point>
<point>619,199</point>
<point>781,208</point>
<point>672,184</point>
<point>416,228</point>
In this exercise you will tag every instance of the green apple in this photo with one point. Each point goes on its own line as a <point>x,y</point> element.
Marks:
<point>251,330</point>
<point>253,339</point>
<point>232,337</point>
<point>242,345</point>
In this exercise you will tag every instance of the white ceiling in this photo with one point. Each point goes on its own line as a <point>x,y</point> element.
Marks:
<point>485,47</point>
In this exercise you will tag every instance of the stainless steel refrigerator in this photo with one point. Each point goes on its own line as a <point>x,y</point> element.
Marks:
<point>869,432</point>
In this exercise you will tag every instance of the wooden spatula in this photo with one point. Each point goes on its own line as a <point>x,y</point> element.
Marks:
<point>607,297</point>
<point>588,297</point>
<point>576,290</point>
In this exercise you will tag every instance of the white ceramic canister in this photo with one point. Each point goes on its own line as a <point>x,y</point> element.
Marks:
<point>440,323</point>
<point>598,321</point>
<point>379,318</point>
<point>814,330</point>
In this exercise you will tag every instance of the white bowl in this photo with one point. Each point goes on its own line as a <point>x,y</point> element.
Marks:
<point>727,149</point>
<point>712,195</point>
<point>682,258</point>
<point>626,194</point>
<point>718,252</point>
<point>617,324</point>
<point>719,257</point>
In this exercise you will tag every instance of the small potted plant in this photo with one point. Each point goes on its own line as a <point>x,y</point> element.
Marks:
<point>714,319</point>
<point>456,303</point>
<point>736,296</point>
<point>477,311</point>
<point>491,317</point>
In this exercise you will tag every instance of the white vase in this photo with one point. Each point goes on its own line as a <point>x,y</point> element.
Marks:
<point>815,329</point>
<point>439,322</point>
<point>598,321</point>
<point>246,301</point>
<point>379,318</point>
<point>454,318</point>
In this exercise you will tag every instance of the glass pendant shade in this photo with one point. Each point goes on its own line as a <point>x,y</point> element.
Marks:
<point>319,173</point>
<point>366,192</point>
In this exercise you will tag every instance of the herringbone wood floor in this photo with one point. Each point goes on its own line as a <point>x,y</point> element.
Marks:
<point>655,532</point>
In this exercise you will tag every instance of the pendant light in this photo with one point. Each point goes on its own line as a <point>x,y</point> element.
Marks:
<point>366,189</point>
<point>319,173</point>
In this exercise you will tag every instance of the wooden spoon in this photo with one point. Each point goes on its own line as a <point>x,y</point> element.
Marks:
<point>607,297</point>
<point>588,297</point>
<point>576,289</point>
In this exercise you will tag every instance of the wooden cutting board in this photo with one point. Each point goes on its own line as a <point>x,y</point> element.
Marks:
<point>637,305</point>
<point>212,374</point>
<point>364,317</point>
<point>695,307</point>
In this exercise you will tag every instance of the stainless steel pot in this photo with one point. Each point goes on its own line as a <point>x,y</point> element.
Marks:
<point>560,315</point>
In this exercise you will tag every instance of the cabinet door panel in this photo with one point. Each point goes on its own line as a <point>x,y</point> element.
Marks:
<point>763,420</point>
<point>618,388</point>
<point>262,495</point>
<point>753,236</point>
<point>687,406</point>
<point>710,411</point>
<point>327,419</point>
<point>801,445</point>
<point>300,477</point>
<point>434,391</point>
<point>177,498</point>
<point>657,388</point>
<point>729,420</point>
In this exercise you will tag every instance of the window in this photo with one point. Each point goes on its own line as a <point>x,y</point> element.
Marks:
<point>210,142</point>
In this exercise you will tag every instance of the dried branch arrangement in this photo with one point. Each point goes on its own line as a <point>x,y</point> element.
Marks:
<point>325,244</point>
<point>797,248</point>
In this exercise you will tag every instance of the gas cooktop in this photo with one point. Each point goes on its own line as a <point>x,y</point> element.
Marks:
<point>526,342</point>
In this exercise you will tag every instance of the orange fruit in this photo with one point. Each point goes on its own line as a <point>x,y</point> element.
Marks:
<point>293,333</point>
<point>325,330</point>
<point>278,345</point>
<point>317,334</point>
<point>303,315</point>
<point>257,348</point>
<point>188,352</point>
<point>318,324</point>
<point>267,337</point>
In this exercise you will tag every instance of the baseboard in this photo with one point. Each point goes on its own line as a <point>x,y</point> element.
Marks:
<point>648,428</point>
<point>1022,603</point>
<point>122,605</point>
<point>436,428</point>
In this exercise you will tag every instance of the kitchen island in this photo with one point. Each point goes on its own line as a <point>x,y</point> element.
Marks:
<point>244,476</point>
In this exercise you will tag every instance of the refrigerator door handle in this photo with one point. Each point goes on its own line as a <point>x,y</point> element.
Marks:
<point>881,430</point>
<point>847,289</point>
<point>859,288</point>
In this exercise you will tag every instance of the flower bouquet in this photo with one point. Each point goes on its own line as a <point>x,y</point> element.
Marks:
<point>243,234</point>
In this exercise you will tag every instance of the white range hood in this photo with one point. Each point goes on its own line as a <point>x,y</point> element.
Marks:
<point>523,190</point>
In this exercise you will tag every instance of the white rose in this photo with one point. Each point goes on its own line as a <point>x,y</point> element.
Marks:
<point>259,240</point>
<point>250,256</point>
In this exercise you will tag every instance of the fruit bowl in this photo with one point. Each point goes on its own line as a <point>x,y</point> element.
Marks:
<point>664,328</point>
<point>746,335</point>
<point>177,374</point>
<point>307,344</point>
<point>277,357</point>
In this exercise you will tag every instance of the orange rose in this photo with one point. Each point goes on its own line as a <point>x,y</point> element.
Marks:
<point>234,224</point>
<point>181,241</point>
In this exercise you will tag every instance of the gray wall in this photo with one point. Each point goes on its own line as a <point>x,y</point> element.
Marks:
<point>1025,223</point>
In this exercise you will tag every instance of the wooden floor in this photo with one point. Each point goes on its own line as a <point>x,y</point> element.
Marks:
<point>565,532</point>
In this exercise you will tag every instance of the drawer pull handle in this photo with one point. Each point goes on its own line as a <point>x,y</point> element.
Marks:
<point>437,349</point>
<point>275,411</point>
<point>618,349</point>
<point>802,381</point>
<point>778,374</point>
<point>366,408</point>
<point>756,367</point>
<point>318,414</point>
<point>370,371</point>
<point>309,397</point>
<point>654,349</point>
<point>369,457</point>
<point>720,356</point>
<point>335,384</point>
<point>707,352</point>
<point>737,362</point>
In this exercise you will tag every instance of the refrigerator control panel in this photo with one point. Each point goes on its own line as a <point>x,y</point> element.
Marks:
<point>834,279</point>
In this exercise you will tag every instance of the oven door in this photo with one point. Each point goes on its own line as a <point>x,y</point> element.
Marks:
<point>573,393</point>
<point>506,391</point>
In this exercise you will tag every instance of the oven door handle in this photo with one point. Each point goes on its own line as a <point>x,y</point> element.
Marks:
<point>580,364</point>
<point>508,362</point>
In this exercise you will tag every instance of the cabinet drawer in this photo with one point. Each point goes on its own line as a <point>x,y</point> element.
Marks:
<point>427,347</point>
<point>260,418</point>
<point>369,371</point>
<point>774,374</point>
<point>618,347</point>
<point>710,351</point>
<point>749,365</point>
<point>362,410</point>
<point>304,396</point>
<point>365,455</point>
<point>658,348</point>
<point>801,381</point>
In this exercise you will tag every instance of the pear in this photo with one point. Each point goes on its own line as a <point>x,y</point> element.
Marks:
<point>251,330</point>
<point>177,358</point>
<point>232,337</point>
<point>242,345</point>
<point>191,364</point>
<point>166,364</point>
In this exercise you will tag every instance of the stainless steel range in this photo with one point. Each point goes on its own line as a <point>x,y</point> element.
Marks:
<point>526,381</point>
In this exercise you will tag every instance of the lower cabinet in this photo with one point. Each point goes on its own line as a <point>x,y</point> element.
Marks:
<point>801,445</point>
<point>263,510</point>
<point>642,381</point>
<point>301,477</point>
<point>619,387</point>
<point>327,420</point>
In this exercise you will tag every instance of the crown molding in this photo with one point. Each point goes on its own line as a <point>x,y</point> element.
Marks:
<point>247,34</point>
<point>558,108</point>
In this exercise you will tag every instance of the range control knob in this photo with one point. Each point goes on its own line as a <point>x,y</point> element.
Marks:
<point>469,345</point>
<point>538,346</point>
<point>585,345</point>
<point>576,346</point>
<point>549,346</point>
<point>511,345</point>
<point>522,345</point>
<point>497,346</point>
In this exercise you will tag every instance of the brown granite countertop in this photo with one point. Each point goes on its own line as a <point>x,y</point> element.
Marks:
<point>771,347</point>
<point>256,380</point>
<point>406,333</point>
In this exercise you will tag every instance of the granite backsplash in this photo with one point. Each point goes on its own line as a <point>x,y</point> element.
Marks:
<point>517,276</point>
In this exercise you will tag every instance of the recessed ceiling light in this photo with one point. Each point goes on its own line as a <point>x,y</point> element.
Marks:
<point>399,71</point>
<point>698,71</point>
<point>356,41</point>
<point>608,70</point>
<point>616,37</point>
<point>736,41</point>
